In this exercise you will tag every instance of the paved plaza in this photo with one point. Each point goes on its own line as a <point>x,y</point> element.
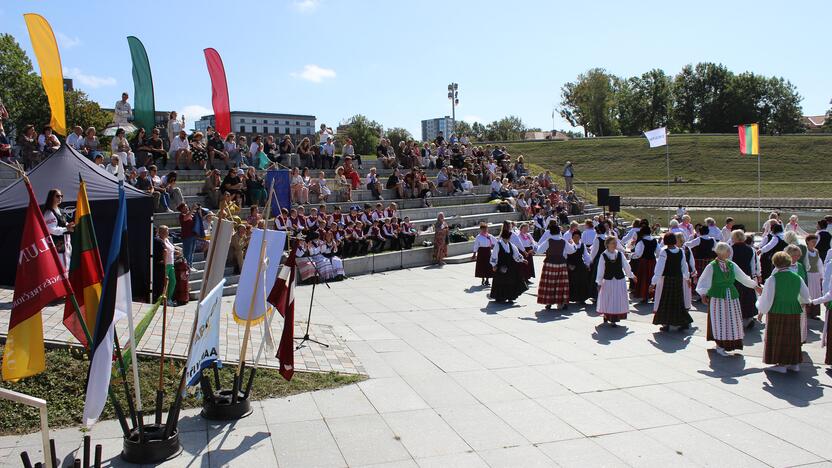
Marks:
<point>456,381</point>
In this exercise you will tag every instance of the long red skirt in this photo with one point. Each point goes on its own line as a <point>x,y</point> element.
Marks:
<point>483,268</point>
<point>644,275</point>
<point>554,284</point>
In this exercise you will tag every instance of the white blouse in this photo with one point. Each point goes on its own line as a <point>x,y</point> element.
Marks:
<point>707,277</point>
<point>661,259</point>
<point>502,244</point>
<point>543,245</point>
<point>766,300</point>
<point>484,241</point>
<point>639,251</point>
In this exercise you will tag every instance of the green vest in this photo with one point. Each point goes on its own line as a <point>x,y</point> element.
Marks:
<point>786,291</point>
<point>722,282</point>
<point>815,263</point>
<point>801,272</point>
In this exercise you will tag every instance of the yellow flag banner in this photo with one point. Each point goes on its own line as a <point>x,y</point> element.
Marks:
<point>51,72</point>
<point>24,355</point>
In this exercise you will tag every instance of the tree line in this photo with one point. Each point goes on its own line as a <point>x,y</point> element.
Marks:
<point>701,98</point>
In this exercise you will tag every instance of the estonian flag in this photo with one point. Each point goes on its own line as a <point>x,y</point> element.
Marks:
<point>116,299</point>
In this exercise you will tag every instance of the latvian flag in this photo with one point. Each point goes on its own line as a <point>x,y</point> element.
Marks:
<point>116,298</point>
<point>85,271</point>
<point>282,296</point>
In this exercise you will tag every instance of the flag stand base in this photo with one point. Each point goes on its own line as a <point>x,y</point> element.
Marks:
<point>155,448</point>
<point>222,408</point>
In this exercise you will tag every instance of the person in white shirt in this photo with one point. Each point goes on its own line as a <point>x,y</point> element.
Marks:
<point>588,234</point>
<point>554,280</point>
<point>76,138</point>
<point>120,146</point>
<point>180,148</point>
<point>727,230</point>
<point>681,211</point>
<point>323,134</point>
<point>174,126</point>
<point>674,228</point>
<point>713,230</point>
<point>122,111</point>
<point>115,168</point>
<point>611,278</point>
<point>793,225</point>
<point>169,253</point>
<point>483,244</point>
<point>670,278</point>
<point>505,260</point>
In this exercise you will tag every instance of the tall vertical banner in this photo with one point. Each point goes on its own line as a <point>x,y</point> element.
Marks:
<point>51,72</point>
<point>249,284</point>
<point>144,109</point>
<point>280,180</point>
<point>206,341</point>
<point>219,92</point>
<point>749,139</point>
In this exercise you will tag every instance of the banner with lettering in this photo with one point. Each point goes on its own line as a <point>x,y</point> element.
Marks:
<point>206,345</point>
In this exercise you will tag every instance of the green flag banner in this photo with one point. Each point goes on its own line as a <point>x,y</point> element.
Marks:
<point>144,109</point>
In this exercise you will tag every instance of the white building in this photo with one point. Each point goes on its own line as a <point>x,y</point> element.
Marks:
<point>432,127</point>
<point>249,124</point>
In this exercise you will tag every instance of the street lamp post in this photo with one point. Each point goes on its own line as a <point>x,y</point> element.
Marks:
<point>453,96</point>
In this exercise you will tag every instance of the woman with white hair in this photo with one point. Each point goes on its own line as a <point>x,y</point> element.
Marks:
<point>793,226</point>
<point>717,289</point>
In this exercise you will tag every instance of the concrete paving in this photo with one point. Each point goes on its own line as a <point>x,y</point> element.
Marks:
<point>456,381</point>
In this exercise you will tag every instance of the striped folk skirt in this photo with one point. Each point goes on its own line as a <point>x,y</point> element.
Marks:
<point>782,341</point>
<point>483,268</point>
<point>554,284</point>
<point>306,268</point>
<point>748,301</point>
<point>725,323</point>
<point>644,275</point>
<point>613,301</point>
<point>671,306</point>
<point>815,286</point>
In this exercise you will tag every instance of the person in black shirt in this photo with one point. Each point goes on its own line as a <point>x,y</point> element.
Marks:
<point>439,139</point>
<point>216,147</point>
<point>157,149</point>
<point>233,184</point>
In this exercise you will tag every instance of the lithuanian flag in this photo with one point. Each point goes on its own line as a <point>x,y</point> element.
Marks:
<point>85,271</point>
<point>749,139</point>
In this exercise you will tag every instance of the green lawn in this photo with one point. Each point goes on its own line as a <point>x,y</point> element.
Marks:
<point>63,387</point>
<point>792,166</point>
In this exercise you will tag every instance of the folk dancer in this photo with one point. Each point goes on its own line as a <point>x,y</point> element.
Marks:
<point>670,279</point>
<point>554,279</point>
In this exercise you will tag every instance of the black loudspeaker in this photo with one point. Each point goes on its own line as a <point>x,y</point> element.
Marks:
<point>614,202</point>
<point>603,196</point>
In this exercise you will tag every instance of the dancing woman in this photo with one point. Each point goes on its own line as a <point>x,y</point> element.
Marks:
<point>554,279</point>
<point>505,259</point>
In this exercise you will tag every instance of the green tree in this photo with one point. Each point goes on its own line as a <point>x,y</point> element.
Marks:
<point>462,127</point>
<point>364,133</point>
<point>589,102</point>
<point>644,102</point>
<point>702,99</point>
<point>827,124</point>
<point>478,131</point>
<point>786,111</point>
<point>397,134</point>
<point>506,129</point>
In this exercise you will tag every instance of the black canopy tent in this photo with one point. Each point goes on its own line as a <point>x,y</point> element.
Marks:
<point>61,171</point>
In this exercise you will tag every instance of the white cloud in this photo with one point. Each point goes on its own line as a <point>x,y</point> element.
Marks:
<point>472,118</point>
<point>306,6</point>
<point>314,73</point>
<point>88,81</point>
<point>193,112</point>
<point>67,42</point>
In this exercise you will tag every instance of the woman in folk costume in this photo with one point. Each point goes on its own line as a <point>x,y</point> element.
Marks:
<point>554,279</point>
<point>539,221</point>
<point>814,274</point>
<point>305,264</point>
<point>671,277</point>
<point>58,226</point>
<point>794,226</point>
<point>703,249</point>
<point>598,246</point>
<point>717,290</point>
<point>797,266</point>
<point>824,302</point>
<point>783,294</point>
<point>527,247</point>
<point>687,290</point>
<point>329,249</point>
<point>646,250</point>
<point>743,256</point>
<point>577,264</point>
<point>824,239</point>
<point>483,244</point>
<point>613,269</point>
<point>775,244</point>
<point>505,261</point>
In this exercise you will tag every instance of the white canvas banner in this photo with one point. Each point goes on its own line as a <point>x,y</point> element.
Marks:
<point>221,232</point>
<point>249,286</point>
<point>206,345</point>
<point>657,137</point>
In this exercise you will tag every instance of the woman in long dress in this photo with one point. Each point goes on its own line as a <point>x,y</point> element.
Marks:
<point>58,226</point>
<point>528,246</point>
<point>554,279</point>
<point>717,290</point>
<point>483,244</point>
<point>670,278</point>
<point>613,271</point>
<point>440,239</point>
<point>646,250</point>
<point>814,274</point>
<point>505,260</point>
<point>824,303</point>
<point>781,299</point>
<point>577,264</point>
<point>691,267</point>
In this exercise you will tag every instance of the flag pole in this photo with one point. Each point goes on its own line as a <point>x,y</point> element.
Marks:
<point>160,390</point>
<point>759,192</point>
<point>247,334</point>
<point>667,159</point>
<point>268,324</point>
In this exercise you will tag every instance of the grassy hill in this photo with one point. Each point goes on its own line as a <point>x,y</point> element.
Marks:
<point>792,166</point>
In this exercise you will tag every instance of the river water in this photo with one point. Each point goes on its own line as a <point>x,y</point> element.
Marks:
<point>806,218</point>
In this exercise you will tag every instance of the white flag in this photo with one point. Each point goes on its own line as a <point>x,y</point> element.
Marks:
<point>657,137</point>
<point>249,284</point>
<point>206,345</point>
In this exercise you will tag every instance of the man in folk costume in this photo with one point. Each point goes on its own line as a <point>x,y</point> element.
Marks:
<point>554,279</point>
<point>670,278</point>
<point>813,263</point>
<point>743,256</point>
<point>783,294</point>
<point>703,249</point>
<point>505,259</point>
<point>613,269</point>
<point>577,263</point>
<point>483,244</point>
<point>717,290</point>
<point>645,251</point>
<point>775,244</point>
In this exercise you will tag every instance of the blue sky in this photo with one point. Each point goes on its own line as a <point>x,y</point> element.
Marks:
<point>392,60</point>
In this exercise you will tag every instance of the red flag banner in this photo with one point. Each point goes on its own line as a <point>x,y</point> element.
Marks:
<point>40,279</point>
<point>219,92</point>
<point>282,296</point>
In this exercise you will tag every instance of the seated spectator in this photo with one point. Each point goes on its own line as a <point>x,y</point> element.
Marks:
<point>349,151</point>
<point>270,149</point>
<point>157,149</point>
<point>5,145</point>
<point>169,186</point>
<point>29,152</point>
<point>319,188</point>
<point>115,168</point>
<point>243,152</point>
<point>373,184</point>
<point>230,148</point>
<point>254,215</point>
<point>211,188</point>
<point>140,149</point>
<point>89,146</point>
<point>343,186</point>
<point>351,174</point>
<point>215,147</point>
<point>396,183</point>
<point>121,147</point>
<point>75,138</point>
<point>328,158</point>
<point>255,188</point>
<point>286,148</point>
<point>305,154</point>
<point>298,189</point>
<point>132,177</point>
<point>180,149</point>
<point>199,150</point>
<point>444,182</point>
<point>47,141</point>
<point>233,185</point>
